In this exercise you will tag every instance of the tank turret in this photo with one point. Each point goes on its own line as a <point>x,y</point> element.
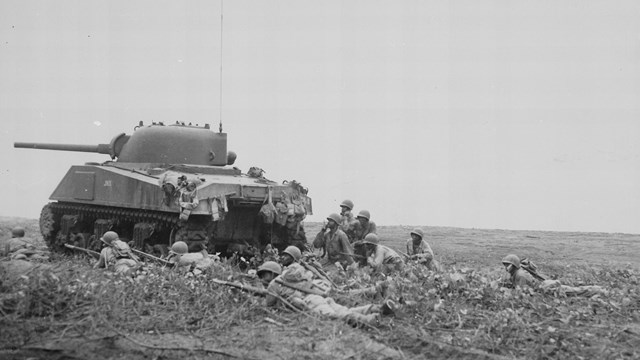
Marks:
<point>158,144</point>
<point>170,183</point>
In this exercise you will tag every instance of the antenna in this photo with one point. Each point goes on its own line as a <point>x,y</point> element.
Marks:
<point>221,29</point>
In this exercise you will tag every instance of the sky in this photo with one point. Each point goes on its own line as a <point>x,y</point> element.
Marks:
<point>519,115</point>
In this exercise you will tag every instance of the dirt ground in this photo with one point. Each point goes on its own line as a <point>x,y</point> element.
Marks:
<point>299,337</point>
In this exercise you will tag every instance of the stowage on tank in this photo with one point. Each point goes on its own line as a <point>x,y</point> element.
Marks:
<point>169,183</point>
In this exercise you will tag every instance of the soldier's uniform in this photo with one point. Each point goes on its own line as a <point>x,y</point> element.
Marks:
<point>297,286</point>
<point>421,252</point>
<point>338,247</point>
<point>382,258</point>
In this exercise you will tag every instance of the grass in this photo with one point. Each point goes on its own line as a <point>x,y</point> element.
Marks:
<point>462,312</point>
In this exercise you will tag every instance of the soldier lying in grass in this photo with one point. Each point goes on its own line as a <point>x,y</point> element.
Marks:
<point>117,255</point>
<point>298,286</point>
<point>524,273</point>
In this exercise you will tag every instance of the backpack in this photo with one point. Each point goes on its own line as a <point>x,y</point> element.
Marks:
<point>268,210</point>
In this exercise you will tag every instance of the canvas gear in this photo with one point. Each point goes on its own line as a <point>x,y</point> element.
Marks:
<point>268,210</point>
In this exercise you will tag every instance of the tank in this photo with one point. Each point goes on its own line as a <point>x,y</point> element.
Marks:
<point>168,183</point>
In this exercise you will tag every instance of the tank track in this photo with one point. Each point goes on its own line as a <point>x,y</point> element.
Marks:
<point>52,213</point>
<point>108,212</point>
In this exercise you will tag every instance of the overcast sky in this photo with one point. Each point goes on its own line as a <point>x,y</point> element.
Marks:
<point>486,114</point>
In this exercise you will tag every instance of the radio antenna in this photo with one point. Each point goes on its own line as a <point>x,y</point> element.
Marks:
<point>221,29</point>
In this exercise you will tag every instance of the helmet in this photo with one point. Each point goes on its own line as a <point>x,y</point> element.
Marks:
<point>418,232</point>
<point>512,259</point>
<point>335,217</point>
<point>179,247</point>
<point>109,237</point>
<point>272,266</point>
<point>348,204</point>
<point>364,214</point>
<point>17,231</point>
<point>294,252</point>
<point>371,239</point>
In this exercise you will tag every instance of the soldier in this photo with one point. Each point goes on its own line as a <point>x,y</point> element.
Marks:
<point>182,259</point>
<point>297,286</point>
<point>347,221</point>
<point>364,226</point>
<point>268,271</point>
<point>16,242</point>
<point>418,249</point>
<point>380,257</point>
<point>336,242</point>
<point>517,276</point>
<point>117,255</point>
<point>17,232</point>
<point>290,255</point>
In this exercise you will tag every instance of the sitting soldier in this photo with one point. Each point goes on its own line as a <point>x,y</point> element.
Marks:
<point>380,257</point>
<point>347,221</point>
<point>364,226</point>
<point>418,249</point>
<point>337,244</point>
<point>117,255</point>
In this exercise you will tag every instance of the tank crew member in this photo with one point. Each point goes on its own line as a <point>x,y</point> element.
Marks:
<point>336,243</point>
<point>418,249</point>
<point>347,220</point>
<point>380,257</point>
<point>297,286</point>
<point>268,271</point>
<point>117,255</point>
<point>364,226</point>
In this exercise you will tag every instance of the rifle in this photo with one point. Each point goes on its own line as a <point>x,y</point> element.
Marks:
<point>94,254</point>
<point>151,257</point>
<point>310,291</point>
<point>254,290</point>
<point>531,268</point>
<point>353,255</point>
<point>317,271</point>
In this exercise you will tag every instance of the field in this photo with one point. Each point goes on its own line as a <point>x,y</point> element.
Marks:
<point>63,309</point>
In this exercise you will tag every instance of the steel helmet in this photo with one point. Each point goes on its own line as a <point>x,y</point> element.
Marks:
<point>294,252</point>
<point>512,259</point>
<point>418,232</point>
<point>348,204</point>
<point>179,247</point>
<point>364,214</point>
<point>17,231</point>
<point>272,266</point>
<point>109,237</point>
<point>371,239</point>
<point>335,217</point>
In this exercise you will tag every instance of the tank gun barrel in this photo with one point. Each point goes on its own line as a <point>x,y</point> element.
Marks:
<point>100,148</point>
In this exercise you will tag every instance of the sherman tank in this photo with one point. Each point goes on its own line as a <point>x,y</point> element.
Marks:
<point>168,183</point>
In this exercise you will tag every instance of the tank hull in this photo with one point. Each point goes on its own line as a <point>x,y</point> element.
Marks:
<point>166,184</point>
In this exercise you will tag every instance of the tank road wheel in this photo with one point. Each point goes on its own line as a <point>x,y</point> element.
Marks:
<point>49,226</point>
